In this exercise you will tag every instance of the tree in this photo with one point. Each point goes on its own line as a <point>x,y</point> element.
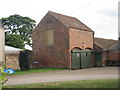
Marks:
<point>14,40</point>
<point>18,28</point>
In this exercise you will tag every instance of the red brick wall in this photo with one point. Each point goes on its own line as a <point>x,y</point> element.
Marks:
<point>104,58</point>
<point>113,55</point>
<point>56,56</point>
<point>79,38</point>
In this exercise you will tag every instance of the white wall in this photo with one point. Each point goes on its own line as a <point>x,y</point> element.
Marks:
<point>2,45</point>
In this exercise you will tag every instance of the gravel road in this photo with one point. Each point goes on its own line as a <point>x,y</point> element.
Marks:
<point>64,75</point>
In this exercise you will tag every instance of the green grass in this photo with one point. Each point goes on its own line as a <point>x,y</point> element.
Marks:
<point>18,72</point>
<point>104,83</point>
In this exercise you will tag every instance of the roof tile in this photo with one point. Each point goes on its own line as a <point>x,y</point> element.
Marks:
<point>104,43</point>
<point>71,22</point>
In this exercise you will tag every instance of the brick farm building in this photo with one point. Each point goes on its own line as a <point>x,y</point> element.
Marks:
<point>61,41</point>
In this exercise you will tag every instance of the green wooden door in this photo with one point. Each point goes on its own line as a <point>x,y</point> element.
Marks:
<point>86,59</point>
<point>83,60</point>
<point>75,60</point>
<point>97,59</point>
<point>89,59</point>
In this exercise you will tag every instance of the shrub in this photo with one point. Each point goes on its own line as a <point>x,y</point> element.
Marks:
<point>2,77</point>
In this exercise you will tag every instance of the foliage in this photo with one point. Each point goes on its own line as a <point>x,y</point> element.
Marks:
<point>19,27</point>
<point>14,40</point>
<point>104,83</point>
<point>2,78</point>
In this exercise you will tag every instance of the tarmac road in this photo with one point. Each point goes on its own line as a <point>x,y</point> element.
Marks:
<point>64,75</point>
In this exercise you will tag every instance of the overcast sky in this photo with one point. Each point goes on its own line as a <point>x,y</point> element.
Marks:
<point>100,15</point>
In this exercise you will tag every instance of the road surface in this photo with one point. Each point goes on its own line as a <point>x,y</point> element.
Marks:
<point>64,75</point>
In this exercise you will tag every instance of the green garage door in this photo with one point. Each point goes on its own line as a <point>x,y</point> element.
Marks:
<point>75,60</point>
<point>97,59</point>
<point>81,59</point>
<point>86,59</point>
<point>89,59</point>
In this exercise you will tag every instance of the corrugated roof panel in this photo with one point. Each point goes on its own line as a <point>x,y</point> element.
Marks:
<point>12,50</point>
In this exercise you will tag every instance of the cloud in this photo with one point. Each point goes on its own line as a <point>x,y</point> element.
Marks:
<point>110,13</point>
<point>99,15</point>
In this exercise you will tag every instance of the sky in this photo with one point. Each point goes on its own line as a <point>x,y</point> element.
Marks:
<point>100,15</point>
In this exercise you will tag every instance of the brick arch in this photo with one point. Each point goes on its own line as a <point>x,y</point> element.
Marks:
<point>88,48</point>
<point>76,49</point>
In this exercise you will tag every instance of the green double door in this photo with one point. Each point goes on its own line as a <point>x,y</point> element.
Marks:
<point>81,60</point>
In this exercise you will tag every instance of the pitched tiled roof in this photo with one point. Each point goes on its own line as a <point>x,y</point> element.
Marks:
<point>114,46</point>
<point>104,43</point>
<point>71,22</point>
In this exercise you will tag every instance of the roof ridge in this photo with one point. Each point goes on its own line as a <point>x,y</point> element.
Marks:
<point>62,14</point>
<point>105,38</point>
<point>98,45</point>
<point>113,43</point>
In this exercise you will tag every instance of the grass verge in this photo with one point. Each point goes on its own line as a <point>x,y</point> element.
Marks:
<point>19,72</point>
<point>102,83</point>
